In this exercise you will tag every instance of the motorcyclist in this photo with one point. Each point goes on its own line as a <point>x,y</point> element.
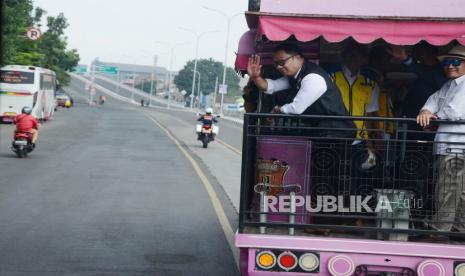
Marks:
<point>68,103</point>
<point>102,99</point>
<point>26,123</point>
<point>207,119</point>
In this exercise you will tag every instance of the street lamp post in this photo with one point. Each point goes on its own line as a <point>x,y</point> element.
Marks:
<point>172,47</point>
<point>198,36</point>
<point>133,81</point>
<point>134,59</point>
<point>214,92</point>
<point>198,89</point>
<point>155,58</point>
<point>195,69</point>
<point>92,84</point>
<point>134,77</point>
<point>169,78</point>
<point>118,81</point>
<point>228,19</point>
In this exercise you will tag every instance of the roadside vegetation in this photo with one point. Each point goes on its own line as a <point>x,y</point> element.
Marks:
<point>50,51</point>
<point>209,70</point>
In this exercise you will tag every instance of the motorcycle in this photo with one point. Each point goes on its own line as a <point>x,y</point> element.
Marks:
<point>22,145</point>
<point>206,132</point>
<point>102,100</point>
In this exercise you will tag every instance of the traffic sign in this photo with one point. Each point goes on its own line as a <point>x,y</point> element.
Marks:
<point>223,89</point>
<point>33,33</point>
<point>107,69</point>
<point>80,69</point>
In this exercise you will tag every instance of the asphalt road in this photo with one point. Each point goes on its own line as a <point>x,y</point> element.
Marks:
<point>221,159</point>
<point>99,197</point>
<point>230,133</point>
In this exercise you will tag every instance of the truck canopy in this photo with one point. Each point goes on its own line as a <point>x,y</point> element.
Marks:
<point>414,9</point>
<point>397,22</point>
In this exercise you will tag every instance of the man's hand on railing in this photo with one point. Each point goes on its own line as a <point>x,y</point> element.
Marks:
<point>424,118</point>
<point>370,162</point>
<point>276,110</point>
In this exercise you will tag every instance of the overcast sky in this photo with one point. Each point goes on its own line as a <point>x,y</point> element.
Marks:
<point>128,31</point>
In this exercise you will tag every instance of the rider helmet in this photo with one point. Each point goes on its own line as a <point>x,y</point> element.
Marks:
<point>208,110</point>
<point>26,110</point>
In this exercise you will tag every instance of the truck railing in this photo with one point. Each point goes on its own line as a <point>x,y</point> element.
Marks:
<point>389,182</point>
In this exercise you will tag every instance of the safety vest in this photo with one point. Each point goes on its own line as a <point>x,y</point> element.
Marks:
<point>356,97</point>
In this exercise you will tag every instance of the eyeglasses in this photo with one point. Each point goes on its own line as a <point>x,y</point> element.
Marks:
<point>282,62</point>
<point>453,62</point>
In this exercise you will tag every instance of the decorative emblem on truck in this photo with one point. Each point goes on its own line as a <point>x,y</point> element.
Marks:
<point>270,177</point>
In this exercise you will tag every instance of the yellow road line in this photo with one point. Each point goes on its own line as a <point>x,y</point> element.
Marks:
<point>228,146</point>
<point>223,219</point>
<point>216,138</point>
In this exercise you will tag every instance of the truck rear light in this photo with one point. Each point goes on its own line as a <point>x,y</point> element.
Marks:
<point>309,262</point>
<point>266,260</point>
<point>341,265</point>
<point>287,260</point>
<point>459,269</point>
<point>431,268</point>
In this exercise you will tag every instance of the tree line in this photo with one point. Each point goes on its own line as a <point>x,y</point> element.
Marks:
<point>50,51</point>
<point>209,70</point>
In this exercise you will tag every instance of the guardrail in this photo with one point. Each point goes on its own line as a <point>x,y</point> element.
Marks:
<point>237,121</point>
<point>394,181</point>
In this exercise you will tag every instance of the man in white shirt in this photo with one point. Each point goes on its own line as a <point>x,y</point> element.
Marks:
<point>448,103</point>
<point>312,91</point>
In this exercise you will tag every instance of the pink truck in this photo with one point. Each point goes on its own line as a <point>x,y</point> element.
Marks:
<point>309,204</point>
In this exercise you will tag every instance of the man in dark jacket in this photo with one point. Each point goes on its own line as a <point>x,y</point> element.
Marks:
<point>311,90</point>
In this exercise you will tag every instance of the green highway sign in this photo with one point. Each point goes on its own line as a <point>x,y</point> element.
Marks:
<point>107,69</point>
<point>80,69</point>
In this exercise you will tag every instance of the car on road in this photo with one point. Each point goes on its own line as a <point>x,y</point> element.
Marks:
<point>63,99</point>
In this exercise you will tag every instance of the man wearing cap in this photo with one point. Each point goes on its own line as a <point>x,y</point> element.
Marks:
<point>311,90</point>
<point>448,103</point>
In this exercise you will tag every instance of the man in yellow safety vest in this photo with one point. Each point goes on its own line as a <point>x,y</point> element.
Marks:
<point>359,91</point>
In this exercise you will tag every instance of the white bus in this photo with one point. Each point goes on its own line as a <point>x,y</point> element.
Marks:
<point>22,86</point>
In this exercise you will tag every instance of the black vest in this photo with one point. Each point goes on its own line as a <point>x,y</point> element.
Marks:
<point>329,104</point>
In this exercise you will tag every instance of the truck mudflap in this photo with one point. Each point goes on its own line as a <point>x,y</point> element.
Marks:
<point>292,255</point>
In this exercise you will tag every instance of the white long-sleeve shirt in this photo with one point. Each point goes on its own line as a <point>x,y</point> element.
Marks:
<point>312,87</point>
<point>448,103</point>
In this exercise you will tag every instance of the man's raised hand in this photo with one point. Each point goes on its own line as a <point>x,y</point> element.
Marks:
<point>398,52</point>
<point>254,67</point>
